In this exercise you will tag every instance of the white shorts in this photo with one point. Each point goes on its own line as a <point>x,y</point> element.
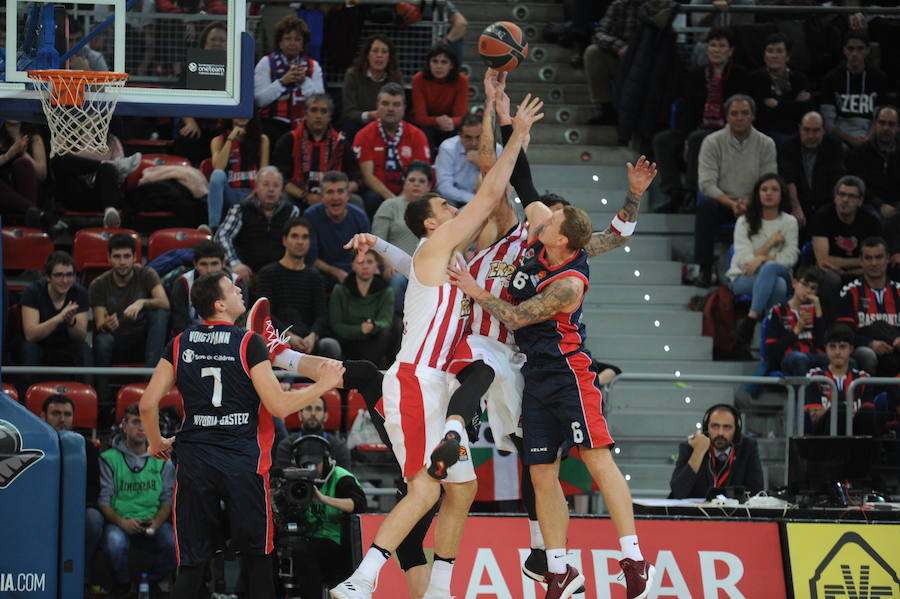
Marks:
<point>415,410</point>
<point>503,399</point>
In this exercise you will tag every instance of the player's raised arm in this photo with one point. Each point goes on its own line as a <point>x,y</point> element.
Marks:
<point>395,257</point>
<point>282,403</point>
<point>640,176</point>
<point>487,151</point>
<point>162,380</point>
<point>461,230</point>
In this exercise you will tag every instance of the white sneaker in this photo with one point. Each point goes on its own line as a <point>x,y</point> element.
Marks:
<point>111,218</point>
<point>128,164</point>
<point>352,588</point>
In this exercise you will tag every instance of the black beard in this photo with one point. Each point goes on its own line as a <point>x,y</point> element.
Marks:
<point>726,442</point>
<point>313,430</point>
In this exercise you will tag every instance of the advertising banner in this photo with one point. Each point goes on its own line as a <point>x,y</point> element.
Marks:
<point>709,560</point>
<point>829,561</point>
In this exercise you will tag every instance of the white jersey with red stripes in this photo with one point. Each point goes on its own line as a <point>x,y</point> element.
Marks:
<point>434,320</point>
<point>491,268</point>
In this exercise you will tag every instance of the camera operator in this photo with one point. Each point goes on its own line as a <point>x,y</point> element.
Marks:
<point>312,500</point>
<point>313,418</point>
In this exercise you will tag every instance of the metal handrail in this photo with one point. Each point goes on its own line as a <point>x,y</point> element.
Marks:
<point>772,9</point>
<point>106,371</point>
<point>851,395</point>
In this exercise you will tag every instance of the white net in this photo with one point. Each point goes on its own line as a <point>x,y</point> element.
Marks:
<point>78,106</point>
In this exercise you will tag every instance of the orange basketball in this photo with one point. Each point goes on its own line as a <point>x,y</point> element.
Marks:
<point>502,45</point>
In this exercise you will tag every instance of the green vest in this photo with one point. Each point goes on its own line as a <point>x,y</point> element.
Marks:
<point>324,521</point>
<point>135,494</point>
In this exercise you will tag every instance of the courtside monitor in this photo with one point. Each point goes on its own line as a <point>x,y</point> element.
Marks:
<point>817,464</point>
<point>196,61</point>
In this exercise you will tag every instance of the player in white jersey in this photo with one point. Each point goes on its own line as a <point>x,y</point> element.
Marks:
<point>431,327</point>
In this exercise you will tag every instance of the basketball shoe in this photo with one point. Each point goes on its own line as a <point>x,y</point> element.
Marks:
<point>444,455</point>
<point>638,577</point>
<point>535,567</point>
<point>260,321</point>
<point>563,586</point>
<point>352,588</point>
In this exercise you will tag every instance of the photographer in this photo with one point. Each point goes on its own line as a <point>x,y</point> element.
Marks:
<point>311,501</point>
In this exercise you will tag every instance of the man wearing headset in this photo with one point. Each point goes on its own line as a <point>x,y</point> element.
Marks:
<point>717,456</point>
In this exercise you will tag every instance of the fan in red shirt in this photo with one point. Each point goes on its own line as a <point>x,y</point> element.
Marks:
<point>440,94</point>
<point>385,146</point>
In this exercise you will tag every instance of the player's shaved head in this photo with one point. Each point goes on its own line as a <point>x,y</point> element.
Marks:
<point>576,226</point>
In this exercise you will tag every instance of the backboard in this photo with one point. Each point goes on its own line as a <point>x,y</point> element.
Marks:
<point>170,74</point>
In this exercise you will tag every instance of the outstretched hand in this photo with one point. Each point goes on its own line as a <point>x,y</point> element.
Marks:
<point>362,243</point>
<point>162,449</point>
<point>494,81</point>
<point>462,278</point>
<point>641,175</point>
<point>528,113</point>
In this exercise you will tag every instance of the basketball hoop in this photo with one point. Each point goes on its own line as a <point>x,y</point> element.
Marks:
<point>78,106</point>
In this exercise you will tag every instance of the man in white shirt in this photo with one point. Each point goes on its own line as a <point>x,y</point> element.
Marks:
<point>456,164</point>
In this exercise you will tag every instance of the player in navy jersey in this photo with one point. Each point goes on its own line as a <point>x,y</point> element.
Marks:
<point>223,449</point>
<point>561,404</point>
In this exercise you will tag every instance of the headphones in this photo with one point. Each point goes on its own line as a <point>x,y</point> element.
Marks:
<point>313,445</point>
<point>738,420</point>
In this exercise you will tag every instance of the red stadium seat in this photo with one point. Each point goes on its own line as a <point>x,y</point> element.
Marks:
<point>169,239</point>
<point>91,253</point>
<point>24,249</point>
<point>149,160</point>
<point>132,392</point>
<point>332,406</point>
<point>83,396</point>
<point>10,391</point>
<point>355,403</point>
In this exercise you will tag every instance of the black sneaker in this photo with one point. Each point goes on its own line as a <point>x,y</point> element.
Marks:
<point>535,567</point>
<point>444,455</point>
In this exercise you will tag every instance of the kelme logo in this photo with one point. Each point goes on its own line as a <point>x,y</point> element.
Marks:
<point>853,569</point>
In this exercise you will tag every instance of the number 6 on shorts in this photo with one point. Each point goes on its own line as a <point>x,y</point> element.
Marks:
<point>577,434</point>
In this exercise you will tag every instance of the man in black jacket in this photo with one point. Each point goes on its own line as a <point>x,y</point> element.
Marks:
<point>878,164</point>
<point>717,456</point>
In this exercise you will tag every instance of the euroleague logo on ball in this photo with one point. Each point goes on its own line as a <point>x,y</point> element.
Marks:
<point>502,45</point>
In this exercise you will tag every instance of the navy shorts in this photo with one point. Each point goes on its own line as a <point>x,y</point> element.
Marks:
<point>561,406</point>
<point>201,490</point>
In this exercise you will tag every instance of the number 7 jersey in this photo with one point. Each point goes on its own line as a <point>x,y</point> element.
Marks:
<point>222,411</point>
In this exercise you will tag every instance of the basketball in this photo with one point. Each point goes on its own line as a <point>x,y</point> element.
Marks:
<point>502,45</point>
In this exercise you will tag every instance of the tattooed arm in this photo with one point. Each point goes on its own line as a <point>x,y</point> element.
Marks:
<point>639,178</point>
<point>562,295</point>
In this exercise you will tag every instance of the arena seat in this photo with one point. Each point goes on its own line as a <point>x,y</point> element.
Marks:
<point>90,251</point>
<point>169,239</point>
<point>132,392</point>
<point>332,405</point>
<point>10,391</point>
<point>82,395</point>
<point>355,403</point>
<point>24,249</point>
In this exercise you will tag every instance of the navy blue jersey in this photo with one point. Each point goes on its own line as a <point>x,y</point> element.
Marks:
<point>222,410</point>
<point>564,333</point>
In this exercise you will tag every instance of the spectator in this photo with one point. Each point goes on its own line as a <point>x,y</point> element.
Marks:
<point>335,222</point>
<point>810,161</point>
<point>59,412</point>
<point>440,94</point>
<point>297,294</point>
<point>765,249</point>
<point>892,234</point>
<point>284,79</point>
<point>837,232</point>
<point>458,25</point>
<point>386,146</point>
<point>731,162</point>
<point>312,422</point>
<point>324,555</point>
<point>602,57</point>
<point>172,34</point>
<point>237,156</point>
<point>209,257</point>
<point>795,334</point>
<point>312,149</point>
<point>247,231</point>
<point>702,112</point>
<point>131,311</point>
<point>92,182</point>
<point>877,163</point>
<point>456,164</point>
<point>87,58</point>
<point>716,457</point>
<point>361,313</point>
<point>781,94</point>
<point>136,500</point>
<point>376,65</point>
<point>851,91</point>
<point>194,133</point>
<point>871,305</point>
<point>838,346</point>
<point>55,317</point>
<point>23,167</point>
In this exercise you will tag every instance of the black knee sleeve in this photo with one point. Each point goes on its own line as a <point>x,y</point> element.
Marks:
<point>474,379</point>
<point>526,485</point>
<point>365,377</point>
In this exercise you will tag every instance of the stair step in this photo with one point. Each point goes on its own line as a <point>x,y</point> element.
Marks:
<point>605,352</point>
<point>651,296</point>
<point>656,422</point>
<point>561,74</point>
<point>655,347</point>
<point>640,247</point>
<point>610,176</point>
<point>673,224</point>
<point>554,92</point>
<point>606,271</point>
<point>538,51</point>
<point>618,321</point>
<point>695,398</point>
<point>574,134</point>
<point>520,13</point>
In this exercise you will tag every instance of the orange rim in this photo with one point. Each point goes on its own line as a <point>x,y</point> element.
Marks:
<point>71,90</point>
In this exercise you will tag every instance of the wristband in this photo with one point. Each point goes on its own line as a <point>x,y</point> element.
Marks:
<point>625,229</point>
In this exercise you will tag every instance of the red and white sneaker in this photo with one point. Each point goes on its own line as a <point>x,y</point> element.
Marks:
<point>563,586</point>
<point>260,321</point>
<point>638,577</point>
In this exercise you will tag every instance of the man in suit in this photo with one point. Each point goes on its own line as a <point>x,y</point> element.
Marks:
<point>717,456</point>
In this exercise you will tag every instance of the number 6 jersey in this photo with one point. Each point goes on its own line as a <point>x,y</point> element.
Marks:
<point>222,410</point>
